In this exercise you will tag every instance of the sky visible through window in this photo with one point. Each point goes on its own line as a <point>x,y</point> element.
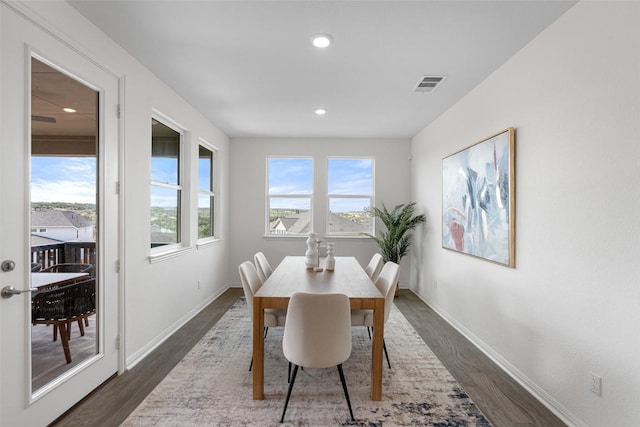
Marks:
<point>63,179</point>
<point>294,176</point>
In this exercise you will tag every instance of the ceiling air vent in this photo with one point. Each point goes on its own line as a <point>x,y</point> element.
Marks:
<point>429,83</point>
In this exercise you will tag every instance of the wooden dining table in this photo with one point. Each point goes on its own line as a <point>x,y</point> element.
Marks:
<point>292,276</point>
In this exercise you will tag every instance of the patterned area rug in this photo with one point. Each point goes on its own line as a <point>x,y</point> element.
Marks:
<point>211,386</point>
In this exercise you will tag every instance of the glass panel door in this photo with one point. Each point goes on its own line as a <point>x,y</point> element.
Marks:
<point>64,223</point>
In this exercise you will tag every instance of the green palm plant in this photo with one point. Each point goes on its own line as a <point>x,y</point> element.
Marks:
<point>396,240</point>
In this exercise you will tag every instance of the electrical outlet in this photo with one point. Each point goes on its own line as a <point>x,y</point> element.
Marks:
<point>596,384</point>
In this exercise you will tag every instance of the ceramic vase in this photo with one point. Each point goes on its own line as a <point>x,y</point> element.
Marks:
<point>311,256</point>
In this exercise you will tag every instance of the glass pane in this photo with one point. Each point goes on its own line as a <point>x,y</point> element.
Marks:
<point>349,215</point>
<point>164,216</point>
<point>205,169</point>
<point>351,176</point>
<point>64,224</point>
<point>165,153</point>
<point>289,215</point>
<point>205,216</point>
<point>290,176</point>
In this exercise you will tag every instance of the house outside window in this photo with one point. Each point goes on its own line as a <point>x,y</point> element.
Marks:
<point>350,196</point>
<point>206,191</point>
<point>289,196</point>
<point>166,184</point>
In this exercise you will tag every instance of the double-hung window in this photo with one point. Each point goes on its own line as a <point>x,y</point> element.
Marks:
<point>350,195</point>
<point>290,194</point>
<point>206,191</point>
<point>166,184</point>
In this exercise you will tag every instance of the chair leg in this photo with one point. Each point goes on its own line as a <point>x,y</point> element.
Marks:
<point>64,338</point>
<point>346,392</point>
<point>81,327</point>
<point>265,335</point>
<point>293,380</point>
<point>384,346</point>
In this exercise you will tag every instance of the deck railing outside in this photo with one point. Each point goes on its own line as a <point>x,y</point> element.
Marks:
<point>66,252</point>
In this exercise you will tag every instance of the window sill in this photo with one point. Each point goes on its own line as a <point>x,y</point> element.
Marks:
<point>171,253</point>
<point>205,243</point>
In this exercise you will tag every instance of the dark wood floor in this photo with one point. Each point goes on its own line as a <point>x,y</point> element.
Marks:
<point>501,399</point>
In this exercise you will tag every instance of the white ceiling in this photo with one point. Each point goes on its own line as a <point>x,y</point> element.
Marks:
<point>250,68</point>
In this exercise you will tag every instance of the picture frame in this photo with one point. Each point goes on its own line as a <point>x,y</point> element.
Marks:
<point>478,199</point>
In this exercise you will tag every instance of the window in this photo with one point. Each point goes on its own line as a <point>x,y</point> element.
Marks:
<point>350,195</point>
<point>290,190</point>
<point>206,192</point>
<point>166,188</point>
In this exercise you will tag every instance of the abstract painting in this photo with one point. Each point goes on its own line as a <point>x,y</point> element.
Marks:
<point>478,199</point>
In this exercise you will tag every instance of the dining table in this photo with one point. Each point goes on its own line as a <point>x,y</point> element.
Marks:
<point>41,281</point>
<point>291,276</point>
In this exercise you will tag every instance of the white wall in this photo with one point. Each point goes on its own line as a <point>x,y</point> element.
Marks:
<point>158,297</point>
<point>571,305</point>
<point>248,184</point>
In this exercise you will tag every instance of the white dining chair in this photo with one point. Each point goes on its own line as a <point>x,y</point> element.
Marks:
<point>317,334</point>
<point>374,266</point>
<point>273,317</point>
<point>262,266</point>
<point>386,284</point>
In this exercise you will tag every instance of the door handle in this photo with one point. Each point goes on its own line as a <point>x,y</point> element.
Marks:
<point>9,291</point>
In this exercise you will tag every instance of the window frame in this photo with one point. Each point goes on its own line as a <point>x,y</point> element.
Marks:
<point>330,196</point>
<point>182,201</point>
<point>212,193</point>
<point>269,196</point>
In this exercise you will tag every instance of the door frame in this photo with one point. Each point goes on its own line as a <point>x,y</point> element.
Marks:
<point>64,46</point>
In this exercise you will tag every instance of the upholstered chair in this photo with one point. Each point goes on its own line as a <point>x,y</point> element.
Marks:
<point>386,284</point>
<point>250,285</point>
<point>317,334</point>
<point>374,266</point>
<point>263,266</point>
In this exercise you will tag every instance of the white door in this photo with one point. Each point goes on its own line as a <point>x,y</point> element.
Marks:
<point>23,401</point>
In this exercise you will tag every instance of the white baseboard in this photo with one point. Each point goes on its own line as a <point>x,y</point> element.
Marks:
<point>536,391</point>
<point>139,355</point>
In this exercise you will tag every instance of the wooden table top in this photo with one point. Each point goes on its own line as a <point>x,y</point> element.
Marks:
<point>292,276</point>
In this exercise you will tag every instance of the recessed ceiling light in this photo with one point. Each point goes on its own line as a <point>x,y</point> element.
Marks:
<point>320,111</point>
<point>68,110</point>
<point>322,40</point>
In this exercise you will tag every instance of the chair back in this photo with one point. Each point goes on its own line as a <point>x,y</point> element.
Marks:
<point>374,266</point>
<point>317,333</point>
<point>262,266</point>
<point>65,302</point>
<point>386,284</point>
<point>250,283</point>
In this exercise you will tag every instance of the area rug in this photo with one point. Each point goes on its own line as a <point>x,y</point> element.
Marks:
<point>212,385</point>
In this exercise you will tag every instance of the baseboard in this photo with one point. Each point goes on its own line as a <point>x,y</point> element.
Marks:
<point>139,355</point>
<point>536,391</point>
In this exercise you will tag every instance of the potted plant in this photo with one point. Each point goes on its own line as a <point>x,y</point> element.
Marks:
<point>396,240</point>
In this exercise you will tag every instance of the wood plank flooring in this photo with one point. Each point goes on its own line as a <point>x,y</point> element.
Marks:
<point>502,400</point>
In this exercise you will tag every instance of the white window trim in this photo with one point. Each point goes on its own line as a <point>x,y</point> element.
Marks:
<point>371,197</point>
<point>200,241</point>
<point>175,249</point>
<point>269,196</point>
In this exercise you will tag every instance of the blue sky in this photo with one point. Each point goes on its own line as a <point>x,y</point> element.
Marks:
<point>72,179</point>
<point>288,176</point>
<point>63,179</point>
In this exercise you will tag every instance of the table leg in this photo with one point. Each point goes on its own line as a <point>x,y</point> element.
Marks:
<point>376,349</point>
<point>258,349</point>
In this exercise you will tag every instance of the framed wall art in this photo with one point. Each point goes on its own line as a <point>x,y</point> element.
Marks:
<point>478,200</point>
